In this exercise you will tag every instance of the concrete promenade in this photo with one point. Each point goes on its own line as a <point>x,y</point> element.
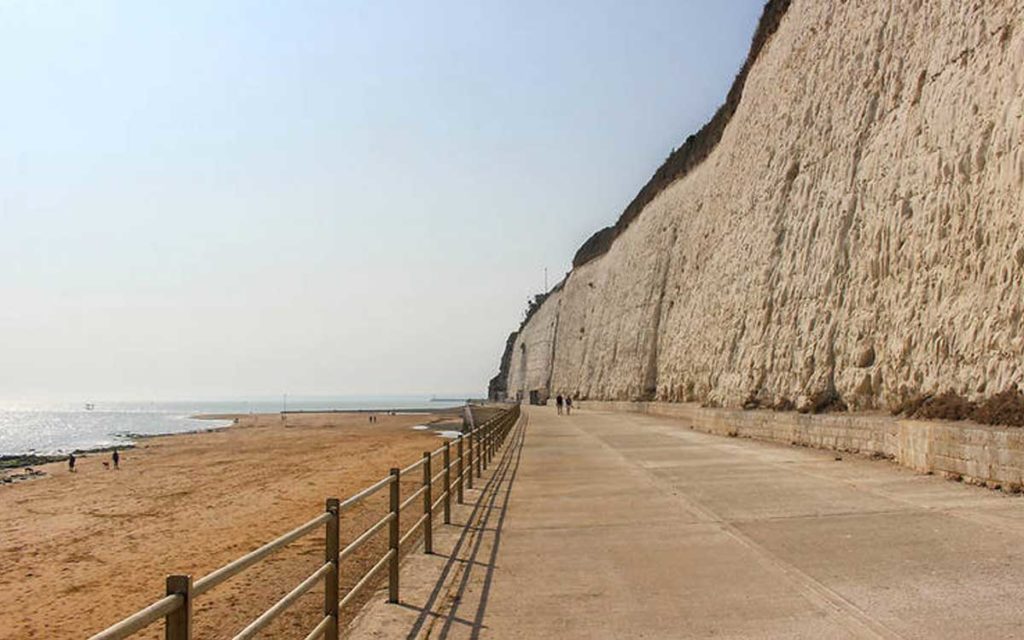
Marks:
<point>614,525</point>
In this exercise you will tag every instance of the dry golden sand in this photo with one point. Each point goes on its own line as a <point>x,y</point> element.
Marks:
<point>79,552</point>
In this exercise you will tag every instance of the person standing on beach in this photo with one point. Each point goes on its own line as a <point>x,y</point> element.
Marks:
<point>568,405</point>
<point>71,463</point>
<point>558,403</point>
<point>116,457</point>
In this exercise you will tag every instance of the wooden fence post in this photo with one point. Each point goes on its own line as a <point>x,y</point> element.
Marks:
<point>393,535</point>
<point>462,470</point>
<point>447,483</point>
<point>479,454</point>
<point>332,547</point>
<point>469,454</point>
<point>178,625</point>
<point>428,504</point>
<point>487,446</point>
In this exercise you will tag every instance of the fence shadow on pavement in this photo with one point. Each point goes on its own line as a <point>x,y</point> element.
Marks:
<point>474,551</point>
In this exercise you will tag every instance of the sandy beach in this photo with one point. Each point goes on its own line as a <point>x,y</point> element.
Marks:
<point>80,551</point>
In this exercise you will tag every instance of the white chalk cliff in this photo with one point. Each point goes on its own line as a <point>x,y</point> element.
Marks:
<point>853,231</point>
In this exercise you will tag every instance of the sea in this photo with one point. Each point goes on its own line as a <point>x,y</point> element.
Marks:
<point>56,428</point>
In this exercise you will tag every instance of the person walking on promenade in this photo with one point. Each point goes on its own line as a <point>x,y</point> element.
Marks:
<point>558,403</point>
<point>71,463</point>
<point>568,405</point>
<point>116,458</point>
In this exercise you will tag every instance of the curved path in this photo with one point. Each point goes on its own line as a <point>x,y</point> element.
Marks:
<point>615,525</point>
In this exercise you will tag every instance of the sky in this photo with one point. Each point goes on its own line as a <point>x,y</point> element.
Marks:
<point>206,199</point>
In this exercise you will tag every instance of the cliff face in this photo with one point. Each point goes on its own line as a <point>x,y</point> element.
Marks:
<point>532,360</point>
<point>854,233</point>
<point>497,388</point>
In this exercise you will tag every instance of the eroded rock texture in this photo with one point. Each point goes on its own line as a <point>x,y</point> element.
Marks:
<point>856,231</point>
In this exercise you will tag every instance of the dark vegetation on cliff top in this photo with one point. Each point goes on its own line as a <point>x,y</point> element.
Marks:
<point>695,149</point>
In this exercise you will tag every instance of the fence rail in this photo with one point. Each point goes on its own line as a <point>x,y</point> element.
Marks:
<point>473,451</point>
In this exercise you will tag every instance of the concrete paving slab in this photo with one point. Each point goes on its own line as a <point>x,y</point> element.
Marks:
<point>907,568</point>
<point>610,525</point>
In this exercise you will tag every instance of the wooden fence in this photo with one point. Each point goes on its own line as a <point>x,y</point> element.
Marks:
<point>473,452</point>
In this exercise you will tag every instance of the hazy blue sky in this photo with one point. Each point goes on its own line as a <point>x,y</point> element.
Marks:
<point>206,199</point>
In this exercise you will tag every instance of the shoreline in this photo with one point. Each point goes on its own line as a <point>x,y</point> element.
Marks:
<point>15,461</point>
<point>21,467</point>
<point>405,411</point>
<point>11,462</point>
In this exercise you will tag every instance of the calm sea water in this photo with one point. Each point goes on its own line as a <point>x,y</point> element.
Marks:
<point>60,428</point>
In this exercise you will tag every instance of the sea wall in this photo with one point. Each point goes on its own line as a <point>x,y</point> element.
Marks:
<point>980,454</point>
<point>854,235</point>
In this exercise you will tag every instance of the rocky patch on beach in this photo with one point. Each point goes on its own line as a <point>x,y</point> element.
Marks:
<point>20,475</point>
<point>28,460</point>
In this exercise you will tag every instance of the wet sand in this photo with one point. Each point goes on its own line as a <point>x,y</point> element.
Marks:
<point>79,552</point>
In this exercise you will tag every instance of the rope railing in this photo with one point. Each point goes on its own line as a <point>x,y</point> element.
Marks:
<point>473,452</point>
